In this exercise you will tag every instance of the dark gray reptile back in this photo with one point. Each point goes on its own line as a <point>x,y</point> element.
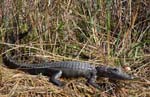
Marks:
<point>73,68</point>
<point>64,64</point>
<point>68,68</point>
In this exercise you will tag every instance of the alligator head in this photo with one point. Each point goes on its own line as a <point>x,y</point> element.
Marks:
<point>112,73</point>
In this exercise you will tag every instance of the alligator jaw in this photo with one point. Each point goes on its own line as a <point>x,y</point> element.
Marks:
<point>112,73</point>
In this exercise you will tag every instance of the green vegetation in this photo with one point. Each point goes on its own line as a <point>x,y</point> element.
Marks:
<point>108,32</point>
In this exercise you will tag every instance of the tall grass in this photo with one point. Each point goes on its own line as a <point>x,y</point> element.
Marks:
<point>111,32</point>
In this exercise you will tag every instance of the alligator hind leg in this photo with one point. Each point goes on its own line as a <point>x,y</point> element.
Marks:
<point>55,74</point>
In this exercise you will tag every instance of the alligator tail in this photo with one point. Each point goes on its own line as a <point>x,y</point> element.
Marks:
<point>7,60</point>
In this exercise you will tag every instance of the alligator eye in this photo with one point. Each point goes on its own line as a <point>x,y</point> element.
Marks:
<point>115,69</point>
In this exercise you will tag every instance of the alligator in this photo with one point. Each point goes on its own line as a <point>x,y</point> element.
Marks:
<point>68,69</point>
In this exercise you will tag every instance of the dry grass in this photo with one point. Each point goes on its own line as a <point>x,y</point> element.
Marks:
<point>106,32</point>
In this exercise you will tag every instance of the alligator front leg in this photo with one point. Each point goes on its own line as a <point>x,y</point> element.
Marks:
<point>55,75</point>
<point>91,80</point>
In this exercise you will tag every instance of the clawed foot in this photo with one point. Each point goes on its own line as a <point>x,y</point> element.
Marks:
<point>57,82</point>
<point>94,85</point>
